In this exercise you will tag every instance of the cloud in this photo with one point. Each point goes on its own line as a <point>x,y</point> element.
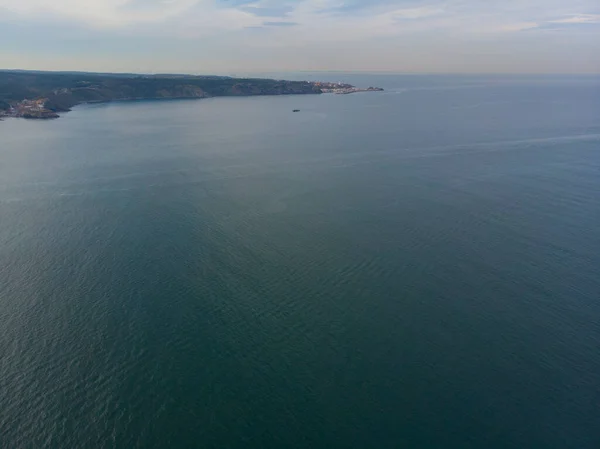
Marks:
<point>573,22</point>
<point>519,26</point>
<point>356,7</point>
<point>281,11</point>
<point>570,26</point>
<point>578,19</point>
<point>323,15</point>
<point>102,13</point>
<point>341,33</point>
<point>416,13</point>
<point>280,24</point>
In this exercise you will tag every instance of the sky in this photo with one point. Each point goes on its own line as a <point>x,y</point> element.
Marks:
<point>242,36</point>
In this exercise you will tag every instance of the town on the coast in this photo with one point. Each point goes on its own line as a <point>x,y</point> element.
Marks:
<point>343,89</point>
<point>33,109</point>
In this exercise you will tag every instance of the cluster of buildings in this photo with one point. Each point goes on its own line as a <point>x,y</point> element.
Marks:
<point>330,87</point>
<point>342,88</point>
<point>30,109</point>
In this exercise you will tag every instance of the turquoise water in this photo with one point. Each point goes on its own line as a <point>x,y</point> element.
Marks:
<point>416,268</point>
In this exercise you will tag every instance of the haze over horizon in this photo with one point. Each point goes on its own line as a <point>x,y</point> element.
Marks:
<point>224,37</point>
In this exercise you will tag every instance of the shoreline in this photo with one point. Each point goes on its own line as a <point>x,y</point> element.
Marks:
<point>30,96</point>
<point>57,115</point>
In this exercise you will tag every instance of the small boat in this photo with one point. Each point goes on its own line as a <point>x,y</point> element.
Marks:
<point>296,110</point>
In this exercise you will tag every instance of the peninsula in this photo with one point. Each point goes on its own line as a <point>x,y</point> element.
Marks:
<point>43,95</point>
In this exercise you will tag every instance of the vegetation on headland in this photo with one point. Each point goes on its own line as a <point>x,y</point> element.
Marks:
<point>62,91</point>
<point>32,94</point>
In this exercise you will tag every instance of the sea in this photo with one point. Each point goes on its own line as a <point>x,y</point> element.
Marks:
<point>414,268</point>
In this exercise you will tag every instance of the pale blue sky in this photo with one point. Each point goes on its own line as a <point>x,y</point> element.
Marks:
<point>235,36</point>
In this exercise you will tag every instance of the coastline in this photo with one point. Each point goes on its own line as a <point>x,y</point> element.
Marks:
<point>51,115</point>
<point>29,96</point>
<point>54,115</point>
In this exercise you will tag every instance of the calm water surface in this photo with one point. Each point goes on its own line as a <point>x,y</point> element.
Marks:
<point>418,268</point>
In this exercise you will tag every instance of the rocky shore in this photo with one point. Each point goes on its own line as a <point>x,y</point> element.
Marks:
<point>40,115</point>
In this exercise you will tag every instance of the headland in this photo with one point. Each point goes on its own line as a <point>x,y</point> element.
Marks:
<point>44,95</point>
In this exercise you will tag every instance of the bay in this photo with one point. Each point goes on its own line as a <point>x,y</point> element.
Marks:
<point>414,268</point>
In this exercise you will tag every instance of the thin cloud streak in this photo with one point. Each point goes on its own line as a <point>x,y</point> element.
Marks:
<point>280,24</point>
